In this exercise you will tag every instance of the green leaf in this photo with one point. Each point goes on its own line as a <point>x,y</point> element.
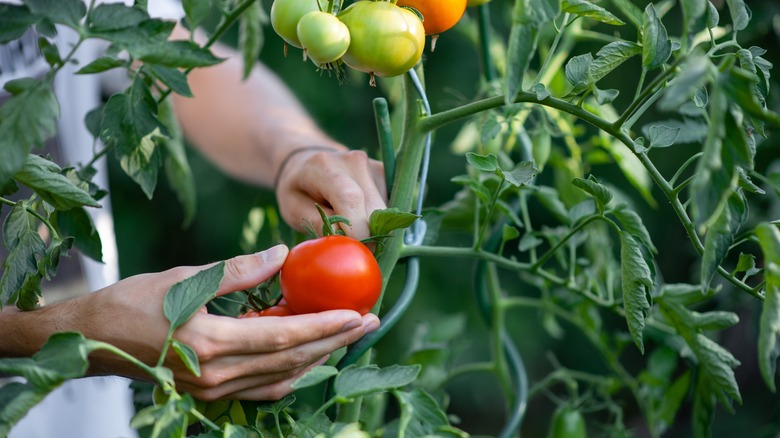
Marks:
<point>632,168</point>
<point>101,64</point>
<point>358,381</point>
<point>769,329</point>
<point>62,357</point>
<point>598,191</point>
<point>490,129</point>
<point>186,297</point>
<point>50,52</point>
<point>695,74</point>
<point>673,398</point>
<point>740,14</point>
<point>577,71</point>
<point>278,406</point>
<point>716,175</point>
<point>523,38</point>
<point>67,12</point>
<point>604,97</point>
<point>131,127</point>
<point>631,222</point>
<point>713,320</point>
<point>420,413</point>
<point>188,356</point>
<point>196,11</point>
<point>383,222</point>
<point>662,136</point>
<point>688,130</point>
<point>15,400</point>
<point>315,376</point>
<point>173,78</point>
<point>27,119</point>
<point>250,36</point>
<point>631,11</point>
<point>720,236</point>
<point>509,233</point>
<point>115,16</point>
<point>46,179</point>
<point>14,21</point>
<point>637,285</point>
<point>522,174</point>
<point>177,166</point>
<point>584,8</point>
<point>20,268</point>
<point>694,10</point>
<point>656,45</point>
<point>484,163</point>
<point>740,85</point>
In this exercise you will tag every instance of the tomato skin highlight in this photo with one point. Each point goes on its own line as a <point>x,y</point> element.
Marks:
<point>438,15</point>
<point>329,273</point>
<point>386,40</point>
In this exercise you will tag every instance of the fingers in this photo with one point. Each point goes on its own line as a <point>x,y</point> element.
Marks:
<point>268,353</point>
<point>247,271</point>
<point>347,184</point>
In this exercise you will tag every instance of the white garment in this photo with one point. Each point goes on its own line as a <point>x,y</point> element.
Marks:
<point>95,407</point>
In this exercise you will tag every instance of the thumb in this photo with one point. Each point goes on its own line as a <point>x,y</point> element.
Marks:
<point>246,271</point>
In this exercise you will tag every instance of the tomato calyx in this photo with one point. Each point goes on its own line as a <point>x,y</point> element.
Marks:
<point>327,224</point>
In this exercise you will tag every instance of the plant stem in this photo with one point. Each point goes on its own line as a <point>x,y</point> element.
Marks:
<point>550,252</point>
<point>54,234</point>
<point>553,48</point>
<point>489,214</point>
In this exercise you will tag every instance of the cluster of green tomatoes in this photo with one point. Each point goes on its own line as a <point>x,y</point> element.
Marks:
<point>381,38</point>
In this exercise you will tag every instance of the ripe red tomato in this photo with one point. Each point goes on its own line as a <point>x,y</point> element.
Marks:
<point>438,15</point>
<point>387,40</point>
<point>281,309</point>
<point>328,273</point>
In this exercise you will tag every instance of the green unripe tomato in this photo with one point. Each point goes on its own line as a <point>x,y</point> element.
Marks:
<point>387,40</point>
<point>285,15</point>
<point>324,37</point>
<point>567,422</point>
<point>476,2</point>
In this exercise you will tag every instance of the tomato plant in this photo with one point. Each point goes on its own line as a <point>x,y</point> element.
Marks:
<point>438,15</point>
<point>386,40</point>
<point>331,272</point>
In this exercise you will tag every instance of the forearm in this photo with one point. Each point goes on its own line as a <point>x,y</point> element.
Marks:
<point>247,127</point>
<point>22,333</point>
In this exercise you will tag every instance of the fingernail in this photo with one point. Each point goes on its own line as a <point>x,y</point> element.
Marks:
<point>371,326</point>
<point>274,253</point>
<point>355,323</point>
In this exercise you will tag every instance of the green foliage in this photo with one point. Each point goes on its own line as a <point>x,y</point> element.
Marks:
<point>543,205</point>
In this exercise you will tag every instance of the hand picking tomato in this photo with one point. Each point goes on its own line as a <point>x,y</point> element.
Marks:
<point>387,40</point>
<point>438,15</point>
<point>328,273</point>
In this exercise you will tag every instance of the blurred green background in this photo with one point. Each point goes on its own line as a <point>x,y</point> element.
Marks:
<point>151,238</point>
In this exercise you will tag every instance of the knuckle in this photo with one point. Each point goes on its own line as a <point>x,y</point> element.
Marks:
<point>296,360</point>
<point>236,268</point>
<point>280,340</point>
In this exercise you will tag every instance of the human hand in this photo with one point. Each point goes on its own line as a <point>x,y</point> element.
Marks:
<point>251,359</point>
<point>345,183</point>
